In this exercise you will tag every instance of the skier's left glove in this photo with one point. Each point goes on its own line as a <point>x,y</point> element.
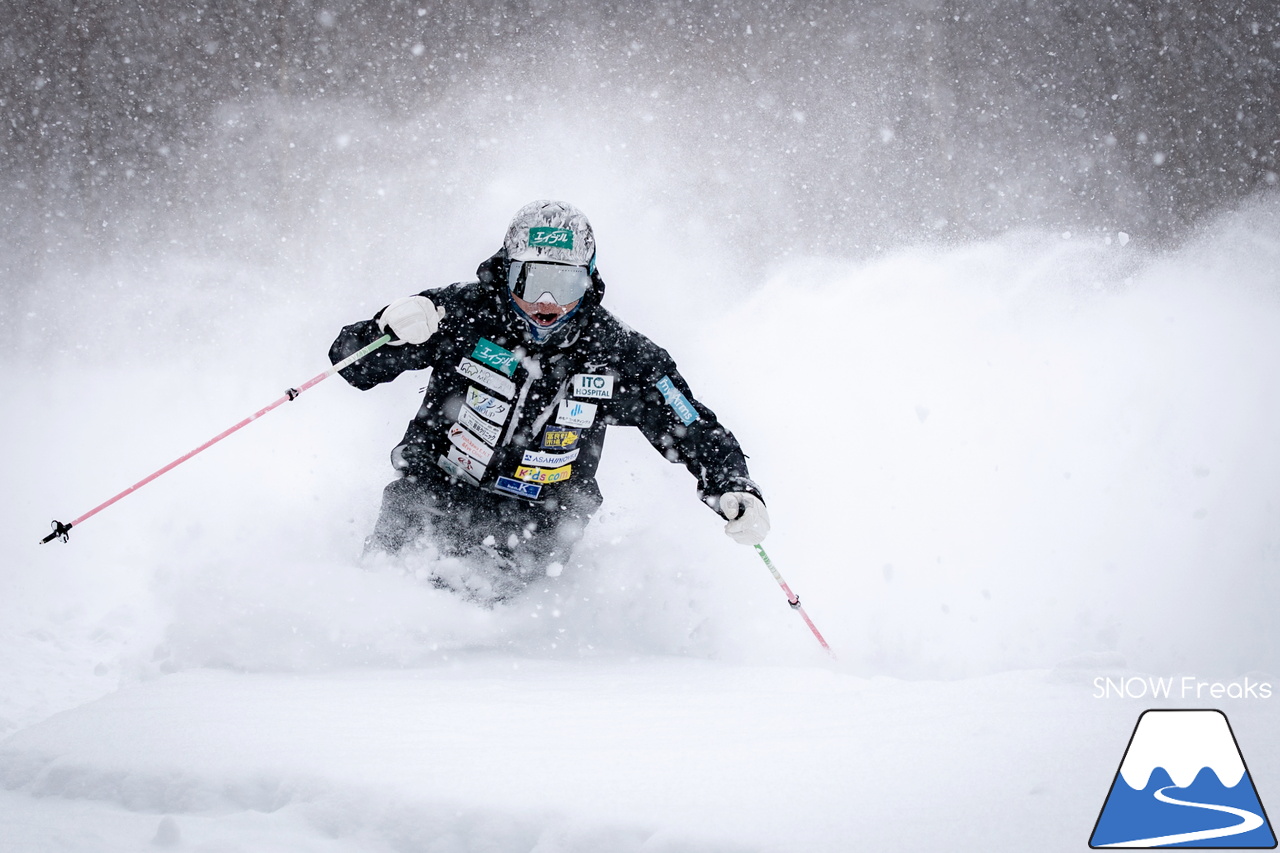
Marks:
<point>748,519</point>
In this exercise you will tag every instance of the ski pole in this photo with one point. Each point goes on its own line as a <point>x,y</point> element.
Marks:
<point>63,531</point>
<point>793,600</point>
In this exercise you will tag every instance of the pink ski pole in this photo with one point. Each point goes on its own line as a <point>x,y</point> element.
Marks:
<point>794,600</point>
<point>62,531</point>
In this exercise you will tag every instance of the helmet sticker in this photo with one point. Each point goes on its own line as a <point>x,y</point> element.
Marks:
<point>560,238</point>
<point>548,230</point>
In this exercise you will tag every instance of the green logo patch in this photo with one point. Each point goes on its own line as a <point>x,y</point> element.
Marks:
<point>558,238</point>
<point>487,352</point>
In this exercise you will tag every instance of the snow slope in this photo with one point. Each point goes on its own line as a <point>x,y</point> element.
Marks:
<point>996,471</point>
<point>489,751</point>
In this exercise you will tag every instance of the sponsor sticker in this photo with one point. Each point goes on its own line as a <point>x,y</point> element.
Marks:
<point>544,475</point>
<point>576,413</point>
<point>515,487</point>
<point>678,402</point>
<point>487,431</point>
<point>559,438</point>
<point>469,444</point>
<point>593,385</point>
<point>548,460</point>
<point>502,360</point>
<point>454,471</point>
<point>488,406</point>
<point>484,376</point>
<point>560,238</point>
<point>471,465</point>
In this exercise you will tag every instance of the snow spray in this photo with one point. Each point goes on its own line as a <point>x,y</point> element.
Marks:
<point>63,531</point>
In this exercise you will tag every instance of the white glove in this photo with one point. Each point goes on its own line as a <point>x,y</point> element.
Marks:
<point>748,519</point>
<point>412,319</point>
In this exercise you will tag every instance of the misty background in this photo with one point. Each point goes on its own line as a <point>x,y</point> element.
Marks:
<point>987,291</point>
<point>359,138</point>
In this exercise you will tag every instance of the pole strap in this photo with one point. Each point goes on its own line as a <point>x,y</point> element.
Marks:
<point>60,531</point>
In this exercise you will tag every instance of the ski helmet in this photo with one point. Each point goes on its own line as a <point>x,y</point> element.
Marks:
<point>553,231</point>
<point>551,255</point>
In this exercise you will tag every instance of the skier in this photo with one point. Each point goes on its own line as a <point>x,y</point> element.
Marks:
<point>527,372</point>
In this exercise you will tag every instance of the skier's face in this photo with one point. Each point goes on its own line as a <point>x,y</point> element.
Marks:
<point>547,292</point>
<point>544,312</point>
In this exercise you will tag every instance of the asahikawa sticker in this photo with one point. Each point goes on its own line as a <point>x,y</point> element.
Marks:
<point>1183,783</point>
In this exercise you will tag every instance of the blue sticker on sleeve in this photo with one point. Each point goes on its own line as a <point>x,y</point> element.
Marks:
<point>677,401</point>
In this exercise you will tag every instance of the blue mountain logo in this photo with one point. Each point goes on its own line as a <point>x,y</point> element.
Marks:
<point>1183,783</point>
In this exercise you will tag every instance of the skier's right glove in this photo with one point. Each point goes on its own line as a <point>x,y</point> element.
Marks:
<point>748,519</point>
<point>412,319</point>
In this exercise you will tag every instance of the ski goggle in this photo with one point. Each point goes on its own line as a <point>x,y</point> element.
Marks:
<point>530,280</point>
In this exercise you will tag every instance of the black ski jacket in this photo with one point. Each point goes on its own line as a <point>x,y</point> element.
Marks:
<point>527,421</point>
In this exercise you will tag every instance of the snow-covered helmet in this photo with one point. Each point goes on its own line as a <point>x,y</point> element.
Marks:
<point>553,231</point>
<point>551,256</point>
